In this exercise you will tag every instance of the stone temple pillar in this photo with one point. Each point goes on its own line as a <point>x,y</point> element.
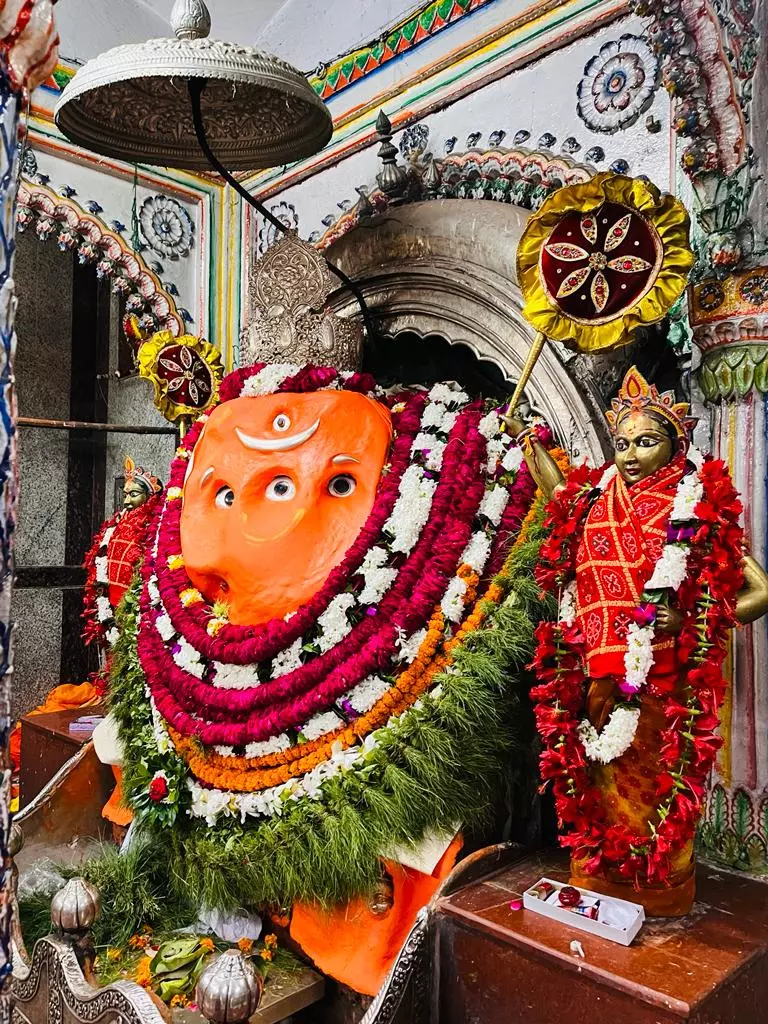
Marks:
<point>730,327</point>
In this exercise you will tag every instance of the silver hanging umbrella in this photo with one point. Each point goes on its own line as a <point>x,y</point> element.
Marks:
<point>137,102</point>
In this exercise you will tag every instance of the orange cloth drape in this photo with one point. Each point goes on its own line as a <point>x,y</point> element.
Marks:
<point>355,946</point>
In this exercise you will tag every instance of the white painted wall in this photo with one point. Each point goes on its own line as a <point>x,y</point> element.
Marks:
<point>88,27</point>
<point>539,98</point>
<point>308,31</point>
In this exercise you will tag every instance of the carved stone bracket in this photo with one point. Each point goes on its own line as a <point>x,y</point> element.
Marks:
<point>731,373</point>
<point>708,53</point>
<point>730,328</point>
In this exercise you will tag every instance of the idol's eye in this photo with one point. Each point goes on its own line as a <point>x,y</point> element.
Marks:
<point>225,497</point>
<point>342,486</point>
<point>282,488</point>
<point>281,422</point>
<point>621,445</point>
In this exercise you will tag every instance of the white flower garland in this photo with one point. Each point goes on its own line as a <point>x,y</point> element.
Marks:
<point>668,574</point>
<point>210,804</point>
<point>568,604</point>
<point>615,738</point>
<point>403,528</point>
<point>105,613</point>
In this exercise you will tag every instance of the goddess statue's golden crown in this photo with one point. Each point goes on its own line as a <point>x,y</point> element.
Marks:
<point>637,395</point>
<point>287,319</point>
<point>133,472</point>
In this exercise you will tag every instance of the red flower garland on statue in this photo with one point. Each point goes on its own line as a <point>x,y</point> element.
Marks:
<point>135,527</point>
<point>690,744</point>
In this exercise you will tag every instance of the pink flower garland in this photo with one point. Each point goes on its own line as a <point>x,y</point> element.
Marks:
<point>246,645</point>
<point>419,586</point>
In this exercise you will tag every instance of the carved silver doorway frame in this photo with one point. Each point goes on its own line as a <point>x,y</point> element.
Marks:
<point>447,267</point>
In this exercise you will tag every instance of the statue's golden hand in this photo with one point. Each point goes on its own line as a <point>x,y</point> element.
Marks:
<point>669,620</point>
<point>514,426</point>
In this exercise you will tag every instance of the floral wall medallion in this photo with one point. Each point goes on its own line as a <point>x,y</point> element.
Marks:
<point>268,233</point>
<point>618,85</point>
<point>166,227</point>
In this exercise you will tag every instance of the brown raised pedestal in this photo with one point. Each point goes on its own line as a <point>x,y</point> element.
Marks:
<point>47,743</point>
<point>499,965</point>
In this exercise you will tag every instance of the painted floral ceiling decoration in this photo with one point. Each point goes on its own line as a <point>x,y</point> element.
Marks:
<point>166,227</point>
<point>619,84</point>
<point>268,233</point>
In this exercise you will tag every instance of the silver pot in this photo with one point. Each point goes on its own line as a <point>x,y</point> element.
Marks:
<point>229,990</point>
<point>75,907</point>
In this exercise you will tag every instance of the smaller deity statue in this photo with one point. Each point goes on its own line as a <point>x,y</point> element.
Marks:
<point>646,557</point>
<point>110,566</point>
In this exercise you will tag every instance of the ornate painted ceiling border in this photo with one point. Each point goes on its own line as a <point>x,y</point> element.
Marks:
<point>515,44</point>
<point>422,24</point>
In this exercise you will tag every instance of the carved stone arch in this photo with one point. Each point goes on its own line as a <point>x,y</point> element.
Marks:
<point>447,267</point>
<point>86,235</point>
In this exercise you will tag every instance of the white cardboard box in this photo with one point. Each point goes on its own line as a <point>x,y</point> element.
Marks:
<point>635,913</point>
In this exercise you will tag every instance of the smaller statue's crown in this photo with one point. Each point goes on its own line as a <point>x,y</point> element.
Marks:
<point>637,395</point>
<point>133,472</point>
<point>288,320</point>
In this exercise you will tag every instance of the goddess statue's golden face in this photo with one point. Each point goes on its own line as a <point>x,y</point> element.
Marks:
<point>134,494</point>
<point>642,447</point>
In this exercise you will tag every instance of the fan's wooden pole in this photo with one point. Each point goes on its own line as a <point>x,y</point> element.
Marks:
<point>525,376</point>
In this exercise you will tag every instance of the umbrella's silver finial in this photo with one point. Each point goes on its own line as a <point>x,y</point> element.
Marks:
<point>190,19</point>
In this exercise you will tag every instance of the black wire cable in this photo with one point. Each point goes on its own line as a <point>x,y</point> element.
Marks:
<point>196,88</point>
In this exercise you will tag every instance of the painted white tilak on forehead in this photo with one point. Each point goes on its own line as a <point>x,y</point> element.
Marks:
<point>276,444</point>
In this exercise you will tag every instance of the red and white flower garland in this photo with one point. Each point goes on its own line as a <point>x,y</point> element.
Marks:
<point>665,580</point>
<point>98,611</point>
<point>439,517</point>
<point>705,575</point>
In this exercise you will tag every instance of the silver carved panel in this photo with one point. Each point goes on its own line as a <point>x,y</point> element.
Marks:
<point>287,320</point>
<point>53,989</point>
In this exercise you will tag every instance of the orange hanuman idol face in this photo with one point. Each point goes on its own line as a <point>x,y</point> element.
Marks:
<point>278,489</point>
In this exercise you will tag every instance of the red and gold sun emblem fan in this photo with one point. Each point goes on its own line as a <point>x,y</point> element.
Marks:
<point>599,260</point>
<point>185,373</point>
<point>596,265</point>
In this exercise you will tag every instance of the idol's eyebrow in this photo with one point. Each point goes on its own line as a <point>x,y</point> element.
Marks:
<point>338,459</point>
<point>206,476</point>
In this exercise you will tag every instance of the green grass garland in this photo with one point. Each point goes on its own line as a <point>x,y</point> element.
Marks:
<point>443,761</point>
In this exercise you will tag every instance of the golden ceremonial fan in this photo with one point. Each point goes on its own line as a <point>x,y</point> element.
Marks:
<point>599,260</point>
